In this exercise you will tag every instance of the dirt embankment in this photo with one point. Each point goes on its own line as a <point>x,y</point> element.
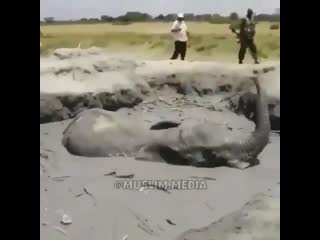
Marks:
<point>73,80</point>
<point>259,219</point>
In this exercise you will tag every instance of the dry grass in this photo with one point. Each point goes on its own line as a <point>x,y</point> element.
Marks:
<point>152,40</point>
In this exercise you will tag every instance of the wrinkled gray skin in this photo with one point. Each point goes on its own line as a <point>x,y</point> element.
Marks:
<point>99,133</point>
<point>211,145</point>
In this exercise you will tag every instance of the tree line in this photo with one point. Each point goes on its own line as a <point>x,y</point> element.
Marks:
<point>131,17</point>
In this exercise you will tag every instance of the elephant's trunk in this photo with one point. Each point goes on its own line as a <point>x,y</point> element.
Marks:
<point>257,141</point>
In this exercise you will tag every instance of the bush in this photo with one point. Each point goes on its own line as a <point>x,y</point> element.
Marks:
<point>157,44</point>
<point>200,49</point>
<point>47,36</point>
<point>121,23</point>
<point>218,19</point>
<point>234,16</point>
<point>274,26</point>
<point>212,46</point>
<point>262,54</point>
<point>273,45</point>
<point>220,37</point>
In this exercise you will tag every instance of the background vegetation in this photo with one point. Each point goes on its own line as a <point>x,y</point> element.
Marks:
<point>141,35</point>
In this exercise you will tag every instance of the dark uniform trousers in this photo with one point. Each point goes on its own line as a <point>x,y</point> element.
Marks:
<point>180,48</point>
<point>247,43</point>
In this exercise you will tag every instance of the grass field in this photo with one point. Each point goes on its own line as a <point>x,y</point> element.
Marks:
<point>153,40</point>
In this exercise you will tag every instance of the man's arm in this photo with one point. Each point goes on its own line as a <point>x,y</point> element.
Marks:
<point>175,28</point>
<point>242,24</point>
<point>185,28</point>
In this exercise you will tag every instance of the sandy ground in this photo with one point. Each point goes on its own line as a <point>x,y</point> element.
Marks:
<point>82,189</point>
<point>259,219</point>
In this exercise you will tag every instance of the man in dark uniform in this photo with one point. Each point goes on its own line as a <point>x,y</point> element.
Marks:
<point>246,37</point>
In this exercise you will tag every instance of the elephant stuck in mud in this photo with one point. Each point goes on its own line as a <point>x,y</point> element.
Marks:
<point>100,133</point>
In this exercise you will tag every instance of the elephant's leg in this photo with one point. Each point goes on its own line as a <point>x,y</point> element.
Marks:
<point>235,163</point>
<point>196,159</point>
<point>149,153</point>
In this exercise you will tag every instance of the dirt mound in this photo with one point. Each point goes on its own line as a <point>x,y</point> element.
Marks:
<point>91,78</point>
<point>65,106</point>
<point>259,219</point>
<point>66,53</point>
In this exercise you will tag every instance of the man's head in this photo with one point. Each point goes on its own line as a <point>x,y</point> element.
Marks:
<point>250,13</point>
<point>180,17</point>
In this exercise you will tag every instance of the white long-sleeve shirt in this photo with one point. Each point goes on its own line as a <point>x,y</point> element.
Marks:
<point>181,35</point>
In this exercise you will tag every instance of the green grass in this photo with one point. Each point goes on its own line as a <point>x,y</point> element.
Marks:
<point>153,40</point>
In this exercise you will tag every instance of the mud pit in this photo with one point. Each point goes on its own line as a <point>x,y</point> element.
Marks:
<point>84,188</point>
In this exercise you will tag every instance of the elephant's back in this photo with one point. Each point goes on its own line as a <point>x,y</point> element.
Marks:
<point>100,133</point>
<point>211,135</point>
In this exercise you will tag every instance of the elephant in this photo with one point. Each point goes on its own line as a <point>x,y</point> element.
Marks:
<point>100,133</point>
<point>212,145</point>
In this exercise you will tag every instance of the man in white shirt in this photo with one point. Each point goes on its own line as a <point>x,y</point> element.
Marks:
<point>179,32</point>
